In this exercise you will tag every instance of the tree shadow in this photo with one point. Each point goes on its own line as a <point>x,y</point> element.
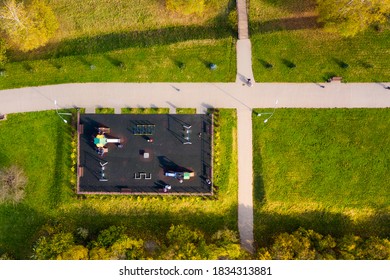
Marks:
<point>116,41</point>
<point>328,75</point>
<point>179,64</point>
<point>294,6</point>
<point>299,23</point>
<point>268,225</point>
<point>155,222</point>
<point>115,62</point>
<point>28,67</point>
<point>342,64</point>
<point>266,64</point>
<point>365,64</point>
<point>288,63</point>
<point>18,229</point>
<point>4,160</point>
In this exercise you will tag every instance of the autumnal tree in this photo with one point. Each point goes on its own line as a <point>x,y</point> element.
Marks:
<point>27,26</point>
<point>114,244</point>
<point>186,7</point>
<point>309,245</point>
<point>349,17</point>
<point>184,243</point>
<point>300,245</point>
<point>50,247</point>
<point>226,246</point>
<point>353,247</point>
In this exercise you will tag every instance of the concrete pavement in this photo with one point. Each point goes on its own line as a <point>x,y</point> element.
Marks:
<point>196,95</point>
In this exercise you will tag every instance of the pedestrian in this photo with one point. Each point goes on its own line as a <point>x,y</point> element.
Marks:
<point>249,83</point>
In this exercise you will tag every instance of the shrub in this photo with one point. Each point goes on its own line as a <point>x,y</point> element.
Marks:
<point>12,184</point>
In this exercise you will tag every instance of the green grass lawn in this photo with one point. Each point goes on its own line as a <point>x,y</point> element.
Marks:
<point>289,46</point>
<point>135,42</point>
<point>41,144</point>
<point>323,169</point>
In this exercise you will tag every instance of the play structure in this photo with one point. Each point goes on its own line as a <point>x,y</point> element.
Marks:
<point>187,134</point>
<point>101,140</point>
<point>144,129</point>
<point>180,175</point>
<point>102,174</point>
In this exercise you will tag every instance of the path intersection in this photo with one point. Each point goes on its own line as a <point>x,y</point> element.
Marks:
<point>202,96</point>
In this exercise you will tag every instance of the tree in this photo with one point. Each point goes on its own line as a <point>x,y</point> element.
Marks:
<point>349,17</point>
<point>226,246</point>
<point>114,244</point>
<point>300,245</point>
<point>186,7</point>
<point>12,184</point>
<point>27,27</point>
<point>184,243</point>
<point>51,247</point>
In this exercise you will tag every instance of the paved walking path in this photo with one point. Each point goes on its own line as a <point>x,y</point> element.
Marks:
<point>203,96</point>
<point>244,61</point>
<point>245,179</point>
<point>196,95</point>
<point>242,19</point>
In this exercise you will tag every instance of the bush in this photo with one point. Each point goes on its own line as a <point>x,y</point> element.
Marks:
<point>186,7</point>
<point>12,184</point>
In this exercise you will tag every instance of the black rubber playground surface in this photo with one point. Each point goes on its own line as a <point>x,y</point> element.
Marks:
<point>180,143</point>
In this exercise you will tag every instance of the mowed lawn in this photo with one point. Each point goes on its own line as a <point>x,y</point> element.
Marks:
<point>323,169</point>
<point>42,145</point>
<point>137,41</point>
<point>288,45</point>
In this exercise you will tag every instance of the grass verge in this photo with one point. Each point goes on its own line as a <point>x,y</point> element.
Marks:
<point>289,46</point>
<point>323,169</point>
<point>46,158</point>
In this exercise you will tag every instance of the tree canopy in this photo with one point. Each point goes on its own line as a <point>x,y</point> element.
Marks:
<point>27,25</point>
<point>309,245</point>
<point>113,243</point>
<point>349,17</point>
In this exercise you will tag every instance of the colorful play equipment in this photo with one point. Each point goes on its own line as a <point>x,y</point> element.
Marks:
<point>100,140</point>
<point>144,129</point>
<point>180,175</point>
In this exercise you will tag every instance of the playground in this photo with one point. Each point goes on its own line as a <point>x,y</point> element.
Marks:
<point>145,154</point>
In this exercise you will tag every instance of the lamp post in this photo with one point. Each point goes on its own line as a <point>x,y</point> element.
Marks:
<point>269,113</point>
<point>60,114</point>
